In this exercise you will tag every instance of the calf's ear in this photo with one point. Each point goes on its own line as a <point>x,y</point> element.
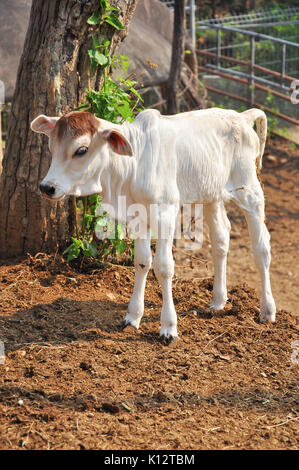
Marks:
<point>44,124</point>
<point>118,143</point>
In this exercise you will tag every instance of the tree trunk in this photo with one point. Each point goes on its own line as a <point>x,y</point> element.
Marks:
<point>53,75</point>
<point>1,151</point>
<point>213,6</point>
<point>178,46</point>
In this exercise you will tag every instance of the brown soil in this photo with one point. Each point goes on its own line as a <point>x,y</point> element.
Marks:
<point>73,380</point>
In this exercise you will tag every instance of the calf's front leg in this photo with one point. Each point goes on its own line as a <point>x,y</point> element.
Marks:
<point>142,262</point>
<point>164,269</point>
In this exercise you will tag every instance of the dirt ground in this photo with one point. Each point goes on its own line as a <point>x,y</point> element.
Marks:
<point>73,380</point>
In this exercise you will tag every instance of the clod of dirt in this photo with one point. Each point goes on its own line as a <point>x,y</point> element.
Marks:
<point>29,372</point>
<point>111,408</point>
<point>85,366</point>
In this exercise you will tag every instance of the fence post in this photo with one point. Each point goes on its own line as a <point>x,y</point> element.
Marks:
<point>192,21</point>
<point>218,52</point>
<point>283,63</point>
<point>251,73</point>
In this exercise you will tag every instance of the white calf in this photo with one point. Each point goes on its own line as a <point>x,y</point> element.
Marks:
<point>206,156</point>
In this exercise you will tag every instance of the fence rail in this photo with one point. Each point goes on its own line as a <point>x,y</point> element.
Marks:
<point>254,19</point>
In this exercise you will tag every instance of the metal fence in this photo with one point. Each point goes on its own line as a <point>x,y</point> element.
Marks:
<point>256,19</point>
<point>254,57</point>
<point>235,45</point>
<point>264,21</point>
<point>259,62</point>
<point>277,23</point>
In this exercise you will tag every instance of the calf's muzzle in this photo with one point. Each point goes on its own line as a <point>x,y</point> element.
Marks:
<point>47,189</point>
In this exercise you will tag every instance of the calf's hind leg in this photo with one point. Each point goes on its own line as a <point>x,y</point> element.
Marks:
<point>219,229</point>
<point>251,201</point>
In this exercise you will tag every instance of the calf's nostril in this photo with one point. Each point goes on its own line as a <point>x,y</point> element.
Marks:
<point>47,189</point>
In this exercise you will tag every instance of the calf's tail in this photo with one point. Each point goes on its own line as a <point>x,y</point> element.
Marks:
<point>258,116</point>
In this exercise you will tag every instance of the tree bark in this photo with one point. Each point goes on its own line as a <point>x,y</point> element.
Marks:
<point>53,75</point>
<point>213,6</point>
<point>1,151</point>
<point>178,47</point>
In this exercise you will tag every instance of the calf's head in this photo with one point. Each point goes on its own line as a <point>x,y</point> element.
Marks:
<point>81,146</point>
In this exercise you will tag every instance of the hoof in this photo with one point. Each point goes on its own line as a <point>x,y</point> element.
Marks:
<point>127,324</point>
<point>129,320</point>
<point>169,340</point>
<point>214,305</point>
<point>267,318</point>
<point>268,312</point>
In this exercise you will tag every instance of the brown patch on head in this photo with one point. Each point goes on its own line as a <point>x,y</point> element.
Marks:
<point>75,124</point>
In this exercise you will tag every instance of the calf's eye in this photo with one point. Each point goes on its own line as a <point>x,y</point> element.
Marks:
<point>81,151</point>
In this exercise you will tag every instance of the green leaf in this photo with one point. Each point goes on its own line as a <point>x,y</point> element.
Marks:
<point>73,251</point>
<point>124,110</point>
<point>77,243</point>
<point>111,8</point>
<point>120,231</point>
<point>96,42</point>
<point>83,107</point>
<point>97,57</point>
<point>88,218</point>
<point>124,63</point>
<point>104,5</point>
<point>90,249</point>
<point>135,92</point>
<point>73,254</point>
<point>113,20</point>
<point>120,246</point>
<point>94,18</point>
<point>102,222</point>
<point>105,253</point>
<point>95,199</point>
<point>106,43</point>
